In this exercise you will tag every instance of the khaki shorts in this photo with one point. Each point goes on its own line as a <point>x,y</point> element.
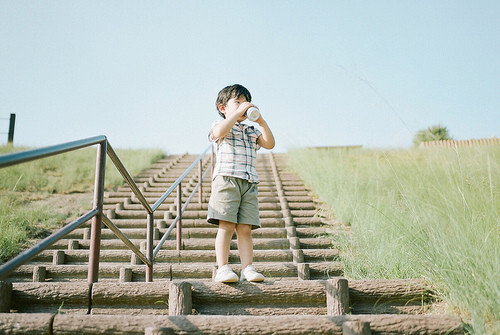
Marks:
<point>234,200</point>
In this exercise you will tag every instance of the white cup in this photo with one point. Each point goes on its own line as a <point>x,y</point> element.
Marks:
<point>252,114</point>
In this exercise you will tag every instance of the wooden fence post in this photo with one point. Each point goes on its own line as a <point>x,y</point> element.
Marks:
<point>5,296</point>
<point>58,257</point>
<point>179,298</point>
<point>303,271</point>
<point>125,275</point>
<point>39,273</point>
<point>337,296</point>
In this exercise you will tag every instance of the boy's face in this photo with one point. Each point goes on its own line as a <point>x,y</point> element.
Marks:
<point>232,106</point>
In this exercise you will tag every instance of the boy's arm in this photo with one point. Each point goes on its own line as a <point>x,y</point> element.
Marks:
<point>222,128</point>
<point>266,140</point>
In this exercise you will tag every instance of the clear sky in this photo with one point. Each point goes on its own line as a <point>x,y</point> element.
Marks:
<point>323,73</point>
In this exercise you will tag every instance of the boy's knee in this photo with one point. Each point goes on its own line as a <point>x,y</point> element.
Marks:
<point>225,225</point>
<point>244,229</point>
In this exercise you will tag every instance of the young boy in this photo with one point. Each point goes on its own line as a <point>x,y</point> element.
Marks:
<point>233,203</point>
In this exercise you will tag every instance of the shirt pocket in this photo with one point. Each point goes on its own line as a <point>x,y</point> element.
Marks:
<point>234,135</point>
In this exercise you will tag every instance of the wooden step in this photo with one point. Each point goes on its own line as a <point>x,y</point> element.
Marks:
<point>173,256</point>
<point>167,271</point>
<point>45,323</point>
<point>130,298</point>
<point>127,214</point>
<point>153,196</point>
<point>190,223</point>
<point>284,297</point>
<point>209,232</point>
<point>308,221</point>
<point>156,187</point>
<point>195,206</point>
<point>51,297</point>
<point>190,244</point>
<point>205,243</point>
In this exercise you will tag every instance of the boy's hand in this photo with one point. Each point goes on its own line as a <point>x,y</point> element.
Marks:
<point>233,114</point>
<point>242,109</point>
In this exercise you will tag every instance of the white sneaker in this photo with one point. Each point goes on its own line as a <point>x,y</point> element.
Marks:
<point>226,275</point>
<point>250,274</point>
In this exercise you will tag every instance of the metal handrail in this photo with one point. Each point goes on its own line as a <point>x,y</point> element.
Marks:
<point>130,181</point>
<point>31,155</point>
<point>96,214</point>
<point>179,180</point>
<point>179,217</point>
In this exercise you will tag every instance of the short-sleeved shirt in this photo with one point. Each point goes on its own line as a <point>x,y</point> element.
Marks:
<point>236,153</point>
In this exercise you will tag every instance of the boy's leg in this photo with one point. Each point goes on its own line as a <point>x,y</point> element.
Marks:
<point>223,242</point>
<point>245,244</point>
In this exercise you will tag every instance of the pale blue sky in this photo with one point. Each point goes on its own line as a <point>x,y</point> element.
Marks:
<point>146,73</point>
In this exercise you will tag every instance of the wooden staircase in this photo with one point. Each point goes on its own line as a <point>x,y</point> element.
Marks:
<point>294,249</point>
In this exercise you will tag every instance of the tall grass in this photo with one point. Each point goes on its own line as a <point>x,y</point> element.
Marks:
<point>418,213</point>
<point>20,222</point>
<point>72,172</point>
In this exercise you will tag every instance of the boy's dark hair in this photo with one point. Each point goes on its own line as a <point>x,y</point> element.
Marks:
<point>229,92</point>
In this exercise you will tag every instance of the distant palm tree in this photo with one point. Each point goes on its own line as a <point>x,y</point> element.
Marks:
<point>433,133</point>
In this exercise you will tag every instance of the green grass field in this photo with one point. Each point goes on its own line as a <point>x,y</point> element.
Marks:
<point>430,214</point>
<point>23,185</point>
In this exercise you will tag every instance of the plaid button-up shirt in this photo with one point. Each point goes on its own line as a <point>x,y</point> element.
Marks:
<point>237,152</point>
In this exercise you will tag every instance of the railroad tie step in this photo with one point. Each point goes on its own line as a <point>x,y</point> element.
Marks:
<point>45,323</point>
<point>167,271</point>
<point>331,297</point>
<point>135,214</point>
<point>51,297</point>
<point>195,206</point>
<point>130,298</point>
<point>202,223</point>
<point>317,263</point>
<point>187,244</point>
<point>174,256</point>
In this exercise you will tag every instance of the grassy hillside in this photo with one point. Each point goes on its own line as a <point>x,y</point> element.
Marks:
<point>418,213</point>
<point>70,172</point>
<point>25,212</point>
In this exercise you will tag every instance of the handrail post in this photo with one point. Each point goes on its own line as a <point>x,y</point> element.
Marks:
<point>95,239</point>
<point>149,247</point>
<point>179,214</point>
<point>200,174</point>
